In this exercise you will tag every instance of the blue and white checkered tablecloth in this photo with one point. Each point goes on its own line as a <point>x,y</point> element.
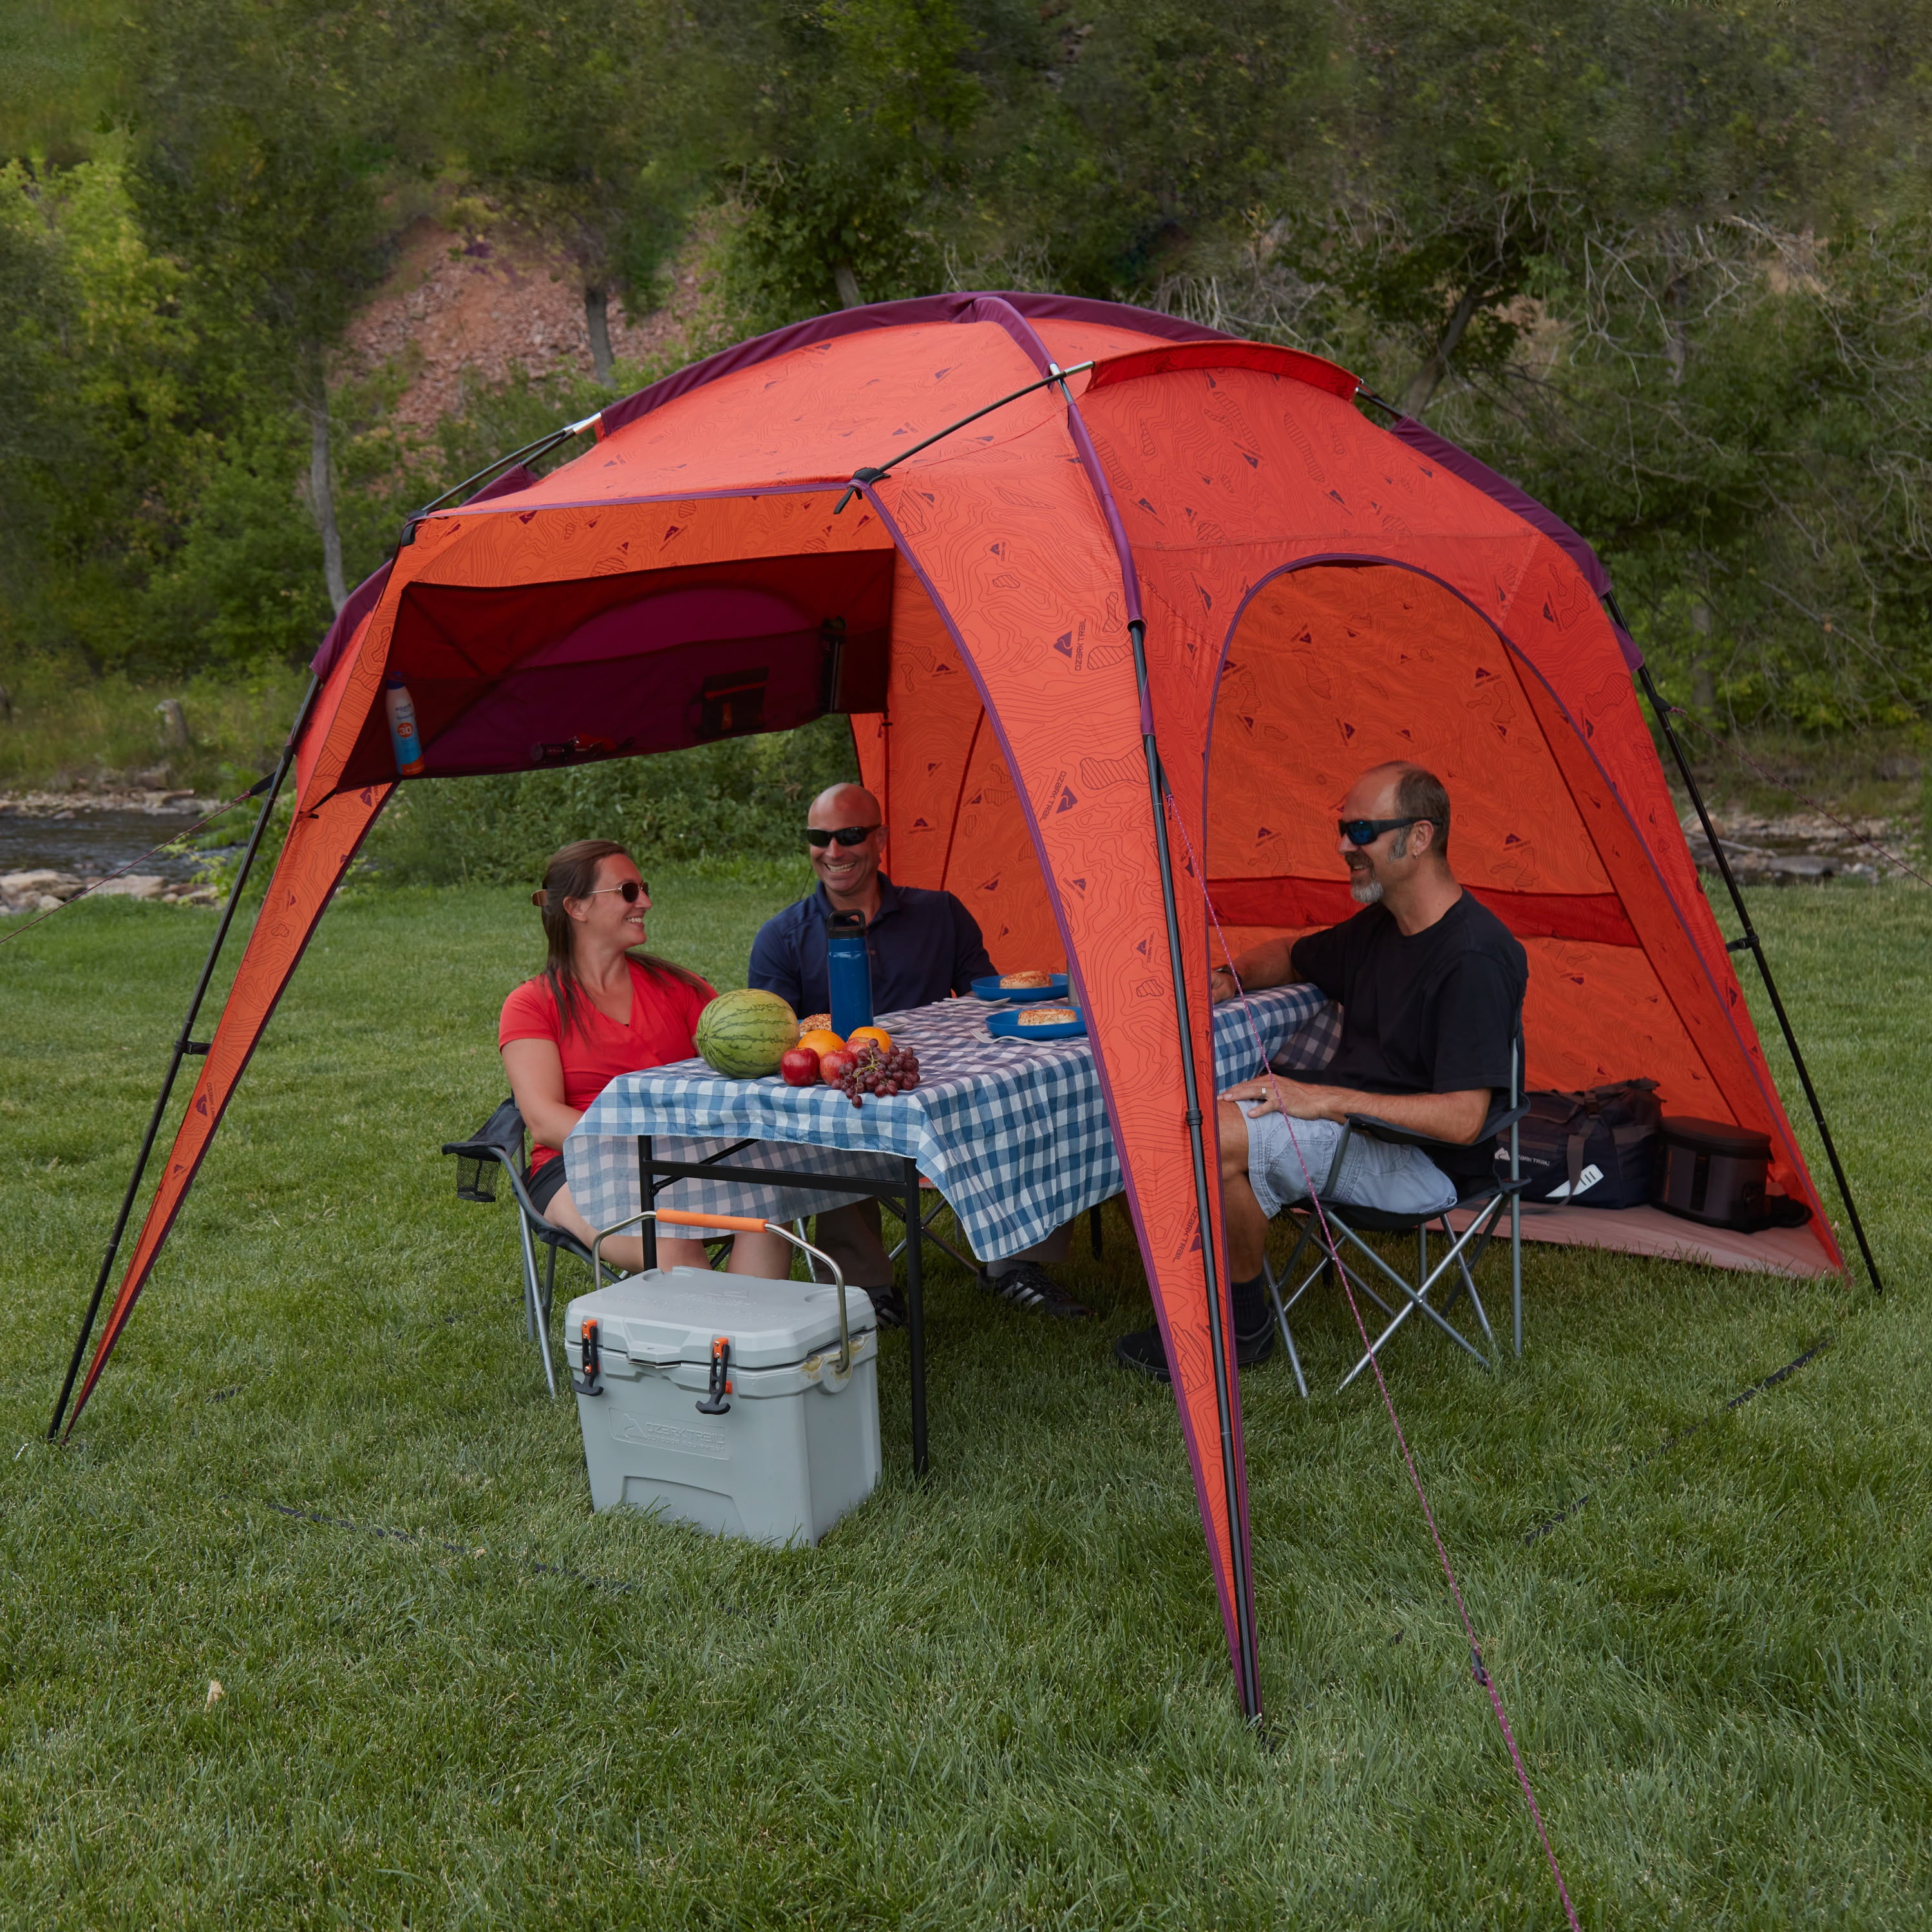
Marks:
<point>1013,1133</point>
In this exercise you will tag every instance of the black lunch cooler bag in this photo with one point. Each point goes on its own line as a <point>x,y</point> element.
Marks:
<point>1596,1149</point>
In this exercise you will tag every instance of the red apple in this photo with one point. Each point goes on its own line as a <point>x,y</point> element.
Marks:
<point>833,1067</point>
<point>799,1067</point>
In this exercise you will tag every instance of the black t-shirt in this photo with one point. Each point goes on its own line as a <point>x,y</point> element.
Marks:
<point>1434,1012</point>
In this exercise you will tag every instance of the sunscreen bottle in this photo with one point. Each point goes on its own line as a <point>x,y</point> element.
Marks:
<point>404,738</point>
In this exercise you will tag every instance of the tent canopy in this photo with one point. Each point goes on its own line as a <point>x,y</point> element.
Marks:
<point>1318,593</point>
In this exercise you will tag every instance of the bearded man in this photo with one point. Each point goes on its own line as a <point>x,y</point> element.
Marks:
<point>1430,983</point>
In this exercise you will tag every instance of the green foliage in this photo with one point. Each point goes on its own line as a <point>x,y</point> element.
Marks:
<point>720,805</point>
<point>1667,267</point>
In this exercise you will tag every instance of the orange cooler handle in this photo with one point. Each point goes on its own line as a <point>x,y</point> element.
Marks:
<point>741,1224</point>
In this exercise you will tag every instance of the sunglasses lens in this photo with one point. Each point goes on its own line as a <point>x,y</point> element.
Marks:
<point>853,835</point>
<point>631,889</point>
<point>814,837</point>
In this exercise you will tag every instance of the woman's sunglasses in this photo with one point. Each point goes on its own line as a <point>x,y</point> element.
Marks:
<point>846,835</point>
<point>1366,831</point>
<point>632,889</point>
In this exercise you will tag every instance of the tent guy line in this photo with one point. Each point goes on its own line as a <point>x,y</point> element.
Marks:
<point>1477,1668</point>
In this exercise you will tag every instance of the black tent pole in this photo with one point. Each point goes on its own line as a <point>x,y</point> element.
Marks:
<point>185,1045</point>
<point>1237,1561</point>
<point>1751,943</point>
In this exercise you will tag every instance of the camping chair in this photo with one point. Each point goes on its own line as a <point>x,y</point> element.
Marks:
<point>1483,1205</point>
<point>499,1142</point>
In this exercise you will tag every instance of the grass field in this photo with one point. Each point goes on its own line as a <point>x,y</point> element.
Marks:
<point>322,1471</point>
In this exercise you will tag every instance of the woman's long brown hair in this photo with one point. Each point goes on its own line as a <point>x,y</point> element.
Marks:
<point>571,873</point>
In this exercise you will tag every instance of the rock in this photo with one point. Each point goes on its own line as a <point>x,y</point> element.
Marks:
<point>1801,866</point>
<point>42,882</point>
<point>137,885</point>
<point>46,902</point>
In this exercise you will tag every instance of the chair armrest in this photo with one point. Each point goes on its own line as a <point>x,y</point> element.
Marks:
<point>1387,1130</point>
<point>1499,1122</point>
<point>500,1138</point>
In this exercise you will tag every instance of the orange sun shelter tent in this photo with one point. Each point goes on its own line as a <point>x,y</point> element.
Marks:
<point>1058,560</point>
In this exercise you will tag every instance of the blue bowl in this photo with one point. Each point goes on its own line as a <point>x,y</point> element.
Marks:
<point>996,994</point>
<point>1006,1026</point>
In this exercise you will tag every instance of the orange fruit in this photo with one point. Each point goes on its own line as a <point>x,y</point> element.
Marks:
<point>821,1040</point>
<point>878,1035</point>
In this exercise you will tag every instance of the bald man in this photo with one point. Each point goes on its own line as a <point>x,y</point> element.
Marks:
<point>923,946</point>
<point>1430,983</point>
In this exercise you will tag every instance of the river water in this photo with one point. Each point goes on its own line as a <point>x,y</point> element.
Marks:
<point>91,843</point>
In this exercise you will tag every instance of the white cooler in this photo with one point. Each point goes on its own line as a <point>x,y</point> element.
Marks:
<point>719,1400</point>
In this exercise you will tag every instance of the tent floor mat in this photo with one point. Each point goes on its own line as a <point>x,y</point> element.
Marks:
<point>1650,1231</point>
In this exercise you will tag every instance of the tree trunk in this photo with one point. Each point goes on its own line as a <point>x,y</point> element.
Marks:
<point>321,498</point>
<point>847,284</point>
<point>1703,691</point>
<point>597,326</point>
<point>1423,384</point>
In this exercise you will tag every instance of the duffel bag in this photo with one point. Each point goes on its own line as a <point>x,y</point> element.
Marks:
<point>1594,1149</point>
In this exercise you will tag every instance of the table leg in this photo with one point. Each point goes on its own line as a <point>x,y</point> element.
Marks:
<point>647,1198</point>
<point>915,1317</point>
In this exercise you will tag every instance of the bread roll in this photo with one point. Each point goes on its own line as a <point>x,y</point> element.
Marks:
<point>1014,981</point>
<point>1047,1016</point>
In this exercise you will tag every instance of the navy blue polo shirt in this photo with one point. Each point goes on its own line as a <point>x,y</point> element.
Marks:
<point>924,945</point>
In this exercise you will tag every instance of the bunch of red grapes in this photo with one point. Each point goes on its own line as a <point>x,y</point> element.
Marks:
<point>873,1071</point>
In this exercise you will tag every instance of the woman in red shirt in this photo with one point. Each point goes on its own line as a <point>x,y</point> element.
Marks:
<point>599,1009</point>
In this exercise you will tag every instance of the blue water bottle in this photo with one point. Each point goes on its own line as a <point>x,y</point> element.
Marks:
<point>848,966</point>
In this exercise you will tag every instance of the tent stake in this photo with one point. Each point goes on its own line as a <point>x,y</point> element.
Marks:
<point>1752,944</point>
<point>1237,1579</point>
<point>183,1046</point>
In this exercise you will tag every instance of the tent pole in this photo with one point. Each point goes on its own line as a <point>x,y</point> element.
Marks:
<point>183,1046</point>
<point>1752,944</point>
<point>1237,1579</point>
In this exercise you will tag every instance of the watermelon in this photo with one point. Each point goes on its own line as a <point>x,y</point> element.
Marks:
<point>744,1035</point>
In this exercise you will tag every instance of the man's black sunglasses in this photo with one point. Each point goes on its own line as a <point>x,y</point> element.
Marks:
<point>1366,831</point>
<point>846,835</point>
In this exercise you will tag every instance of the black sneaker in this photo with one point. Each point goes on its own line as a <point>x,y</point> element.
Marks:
<point>1142,1351</point>
<point>888,1308</point>
<point>1027,1285</point>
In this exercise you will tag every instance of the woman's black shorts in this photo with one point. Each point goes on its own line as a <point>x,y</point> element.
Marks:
<point>545,1184</point>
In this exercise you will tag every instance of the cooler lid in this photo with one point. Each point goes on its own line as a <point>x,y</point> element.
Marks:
<point>1717,1137</point>
<point>673,1315</point>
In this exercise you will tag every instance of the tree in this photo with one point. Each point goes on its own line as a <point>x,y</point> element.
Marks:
<point>266,132</point>
<point>585,127</point>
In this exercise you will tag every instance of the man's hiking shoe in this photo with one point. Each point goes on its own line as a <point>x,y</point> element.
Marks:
<point>1028,1285</point>
<point>888,1308</point>
<point>1141,1351</point>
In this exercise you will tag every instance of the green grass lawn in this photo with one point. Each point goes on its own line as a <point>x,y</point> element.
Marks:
<point>322,1470</point>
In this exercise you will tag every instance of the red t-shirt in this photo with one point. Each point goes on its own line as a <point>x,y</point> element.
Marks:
<point>664,1015</point>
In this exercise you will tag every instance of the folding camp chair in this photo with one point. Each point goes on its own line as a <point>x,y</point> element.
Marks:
<point>1483,1205</point>
<point>499,1142</point>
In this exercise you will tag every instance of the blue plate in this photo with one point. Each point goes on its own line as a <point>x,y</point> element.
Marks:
<point>996,994</point>
<point>1006,1026</point>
